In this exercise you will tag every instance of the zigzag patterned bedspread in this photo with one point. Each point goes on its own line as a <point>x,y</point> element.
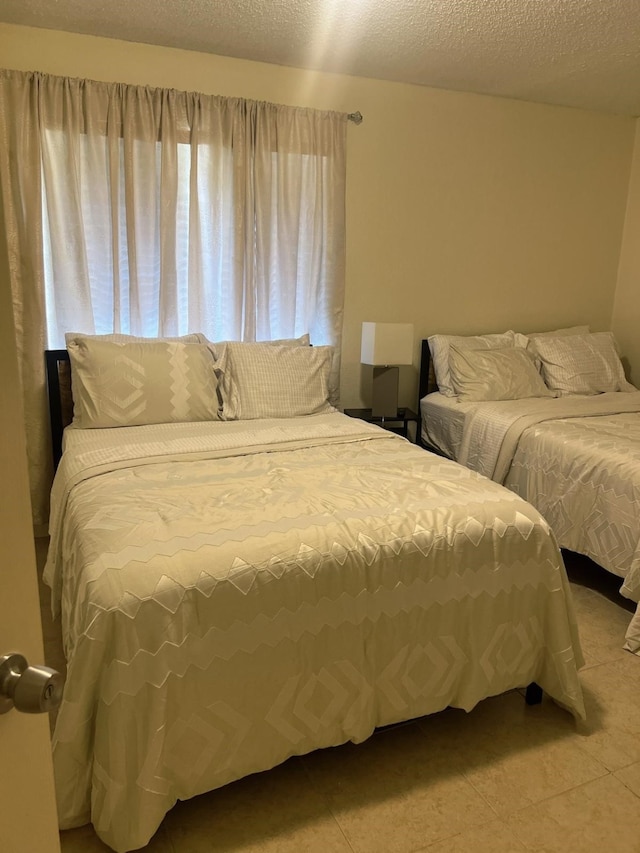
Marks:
<point>577,460</point>
<point>236,593</point>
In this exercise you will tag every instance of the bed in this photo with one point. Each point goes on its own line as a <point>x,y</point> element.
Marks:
<point>574,456</point>
<point>236,591</point>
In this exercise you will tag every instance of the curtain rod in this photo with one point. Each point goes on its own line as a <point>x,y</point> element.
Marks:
<point>356,118</point>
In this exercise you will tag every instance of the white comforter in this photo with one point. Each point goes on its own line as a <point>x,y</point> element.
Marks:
<point>577,460</point>
<point>233,594</point>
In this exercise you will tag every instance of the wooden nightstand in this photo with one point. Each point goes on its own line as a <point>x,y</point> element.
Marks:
<point>399,424</point>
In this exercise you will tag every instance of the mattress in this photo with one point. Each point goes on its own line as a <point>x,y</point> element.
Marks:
<point>442,421</point>
<point>232,594</point>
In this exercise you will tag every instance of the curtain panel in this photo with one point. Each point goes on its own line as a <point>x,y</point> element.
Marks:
<point>157,212</point>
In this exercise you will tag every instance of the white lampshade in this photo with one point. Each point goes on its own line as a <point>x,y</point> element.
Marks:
<point>387,343</point>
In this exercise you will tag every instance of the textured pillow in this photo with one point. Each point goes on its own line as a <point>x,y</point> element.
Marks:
<point>272,381</point>
<point>529,341</point>
<point>302,341</point>
<point>439,347</point>
<point>116,337</point>
<point>130,384</point>
<point>582,364</point>
<point>498,374</point>
<point>561,333</point>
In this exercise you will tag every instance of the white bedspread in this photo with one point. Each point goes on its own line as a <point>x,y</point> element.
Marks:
<point>233,594</point>
<point>492,430</point>
<point>577,460</point>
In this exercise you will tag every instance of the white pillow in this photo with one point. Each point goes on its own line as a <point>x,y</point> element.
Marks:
<point>497,374</point>
<point>272,381</point>
<point>131,384</point>
<point>439,347</point>
<point>117,337</point>
<point>528,340</point>
<point>302,341</point>
<point>582,364</point>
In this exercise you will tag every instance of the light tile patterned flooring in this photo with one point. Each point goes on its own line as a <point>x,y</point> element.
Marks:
<point>504,778</point>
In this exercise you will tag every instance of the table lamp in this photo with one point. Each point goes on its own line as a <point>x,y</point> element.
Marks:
<point>385,346</point>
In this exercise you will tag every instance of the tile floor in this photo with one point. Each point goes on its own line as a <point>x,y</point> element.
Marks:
<point>504,778</point>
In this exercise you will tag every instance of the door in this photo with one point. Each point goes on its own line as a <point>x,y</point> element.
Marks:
<point>28,820</point>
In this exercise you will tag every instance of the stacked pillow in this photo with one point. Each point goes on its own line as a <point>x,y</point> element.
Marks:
<point>529,341</point>
<point>582,364</point>
<point>123,380</point>
<point>273,381</point>
<point>134,382</point>
<point>118,338</point>
<point>495,374</point>
<point>512,366</point>
<point>439,346</point>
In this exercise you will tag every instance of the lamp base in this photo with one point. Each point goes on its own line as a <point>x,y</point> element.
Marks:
<point>384,392</point>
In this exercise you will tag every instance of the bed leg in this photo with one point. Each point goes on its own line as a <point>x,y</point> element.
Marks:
<point>533,696</point>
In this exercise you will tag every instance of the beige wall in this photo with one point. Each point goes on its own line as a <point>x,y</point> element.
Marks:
<point>626,314</point>
<point>464,213</point>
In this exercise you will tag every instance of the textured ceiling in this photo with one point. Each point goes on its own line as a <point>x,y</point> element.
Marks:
<point>581,53</point>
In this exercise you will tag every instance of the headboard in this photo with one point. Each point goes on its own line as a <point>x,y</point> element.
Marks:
<point>58,370</point>
<point>427,380</point>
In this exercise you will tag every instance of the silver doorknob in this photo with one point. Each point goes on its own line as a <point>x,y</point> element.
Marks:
<point>32,689</point>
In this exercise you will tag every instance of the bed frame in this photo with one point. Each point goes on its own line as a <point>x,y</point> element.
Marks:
<point>58,370</point>
<point>427,377</point>
<point>426,385</point>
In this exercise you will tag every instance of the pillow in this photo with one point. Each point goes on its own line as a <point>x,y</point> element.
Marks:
<point>497,374</point>
<point>529,339</point>
<point>582,364</point>
<point>439,347</point>
<point>116,337</point>
<point>131,384</point>
<point>302,341</point>
<point>273,381</point>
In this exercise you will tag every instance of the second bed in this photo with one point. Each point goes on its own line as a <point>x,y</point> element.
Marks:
<point>576,458</point>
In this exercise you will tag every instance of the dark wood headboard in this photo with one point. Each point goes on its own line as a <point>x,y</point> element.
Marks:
<point>58,370</point>
<point>427,379</point>
<point>426,385</point>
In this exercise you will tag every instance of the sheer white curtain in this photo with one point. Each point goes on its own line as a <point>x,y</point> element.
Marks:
<point>157,212</point>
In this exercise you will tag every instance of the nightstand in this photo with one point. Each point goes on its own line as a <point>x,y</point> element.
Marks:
<point>399,424</point>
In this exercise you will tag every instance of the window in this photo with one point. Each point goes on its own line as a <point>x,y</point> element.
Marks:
<point>197,230</point>
<point>153,211</point>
